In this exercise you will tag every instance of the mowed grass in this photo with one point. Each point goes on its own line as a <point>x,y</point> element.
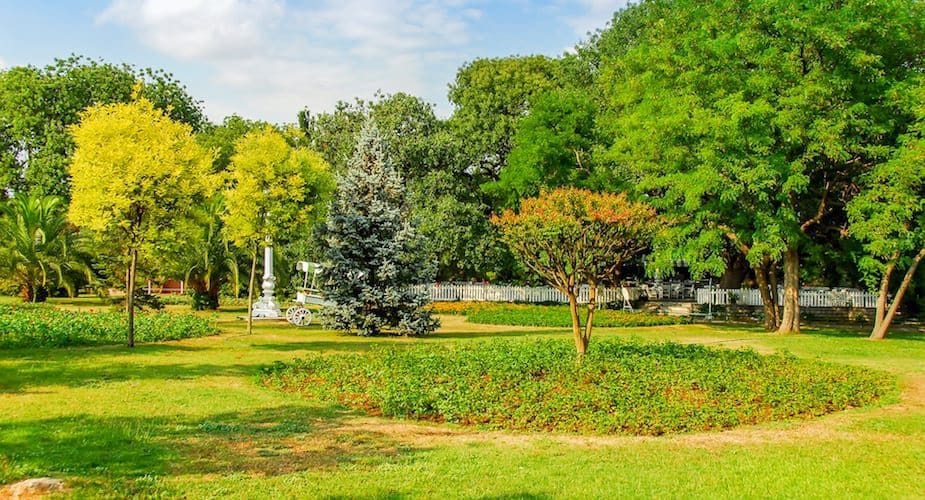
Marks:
<point>189,418</point>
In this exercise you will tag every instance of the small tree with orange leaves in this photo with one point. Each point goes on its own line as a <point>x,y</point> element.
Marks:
<point>572,236</point>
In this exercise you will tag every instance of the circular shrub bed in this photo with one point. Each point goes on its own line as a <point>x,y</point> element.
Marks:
<point>45,326</point>
<point>619,388</point>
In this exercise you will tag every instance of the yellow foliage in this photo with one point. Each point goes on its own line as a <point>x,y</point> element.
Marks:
<point>135,172</point>
<point>274,188</point>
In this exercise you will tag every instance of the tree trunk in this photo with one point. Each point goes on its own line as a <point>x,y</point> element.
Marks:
<point>250,294</point>
<point>883,294</point>
<point>790,323</point>
<point>767,299</point>
<point>589,322</point>
<point>880,332</point>
<point>215,291</point>
<point>576,322</point>
<point>736,269</point>
<point>775,290</point>
<point>130,298</point>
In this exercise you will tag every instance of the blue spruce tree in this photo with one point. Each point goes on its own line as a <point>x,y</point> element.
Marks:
<point>371,251</point>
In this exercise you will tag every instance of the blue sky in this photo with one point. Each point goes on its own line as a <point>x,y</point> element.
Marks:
<point>267,59</point>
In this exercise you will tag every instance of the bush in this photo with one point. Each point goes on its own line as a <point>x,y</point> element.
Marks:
<point>495,313</point>
<point>45,326</point>
<point>619,388</point>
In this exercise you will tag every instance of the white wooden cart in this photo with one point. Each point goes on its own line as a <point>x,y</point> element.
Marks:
<point>308,293</point>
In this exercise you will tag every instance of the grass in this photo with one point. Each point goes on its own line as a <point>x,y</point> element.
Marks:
<point>189,418</point>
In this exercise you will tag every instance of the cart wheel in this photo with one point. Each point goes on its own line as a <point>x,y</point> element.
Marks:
<point>290,313</point>
<point>302,317</point>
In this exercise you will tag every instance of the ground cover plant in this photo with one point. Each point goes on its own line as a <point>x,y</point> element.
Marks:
<point>558,316</point>
<point>621,388</point>
<point>43,326</point>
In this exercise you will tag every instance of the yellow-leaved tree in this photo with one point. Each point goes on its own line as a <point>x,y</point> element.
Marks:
<point>275,192</point>
<point>135,174</point>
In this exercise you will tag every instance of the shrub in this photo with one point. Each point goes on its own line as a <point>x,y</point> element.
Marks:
<point>45,326</point>
<point>553,315</point>
<point>619,388</point>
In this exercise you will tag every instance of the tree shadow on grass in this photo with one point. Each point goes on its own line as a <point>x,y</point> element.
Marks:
<point>103,452</point>
<point>14,377</point>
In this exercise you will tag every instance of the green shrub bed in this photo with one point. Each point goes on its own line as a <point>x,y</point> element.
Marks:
<point>619,388</point>
<point>552,315</point>
<point>46,326</point>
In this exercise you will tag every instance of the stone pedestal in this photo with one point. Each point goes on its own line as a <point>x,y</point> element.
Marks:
<point>266,306</point>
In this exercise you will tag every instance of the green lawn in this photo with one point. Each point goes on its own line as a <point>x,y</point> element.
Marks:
<point>188,418</point>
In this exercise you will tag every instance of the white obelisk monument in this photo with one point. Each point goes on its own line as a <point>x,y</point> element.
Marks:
<point>266,306</point>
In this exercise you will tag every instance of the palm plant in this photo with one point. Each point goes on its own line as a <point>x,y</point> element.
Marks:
<point>38,247</point>
<point>206,258</point>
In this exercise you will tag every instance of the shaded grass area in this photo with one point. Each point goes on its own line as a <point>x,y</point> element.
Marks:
<point>188,418</point>
<point>556,316</point>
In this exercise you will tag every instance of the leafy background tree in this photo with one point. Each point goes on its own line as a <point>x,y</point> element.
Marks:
<point>38,105</point>
<point>135,174</point>
<point>490,96</point>
<point>371,251</point>
<point>553,147</point>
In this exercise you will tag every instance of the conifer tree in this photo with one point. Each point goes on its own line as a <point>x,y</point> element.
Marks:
<point>371,250</point>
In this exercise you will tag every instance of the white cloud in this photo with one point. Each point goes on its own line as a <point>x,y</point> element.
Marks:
<point>192,29</point>
<point>2,63</point>
<point>595,14</point>
<point>275,58</point>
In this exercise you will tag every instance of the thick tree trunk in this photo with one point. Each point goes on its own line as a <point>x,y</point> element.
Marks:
<point>734,275</point>
<point>576,323</point>
<point>880,333</point>
<point>130,297</point>
<point>790,322</point>
<point>250,294</point>
<point>589,322</point>
<point>767,299</point>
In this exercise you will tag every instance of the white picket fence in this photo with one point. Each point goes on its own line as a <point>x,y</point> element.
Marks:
<point>448,292</point>
<point>809,297</point>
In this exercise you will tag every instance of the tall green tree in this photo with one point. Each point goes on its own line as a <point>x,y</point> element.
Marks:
<point>40,250</point>
<point>333,134</point>
<point>275,193</point>
<point>888,216</point>
<point>135,175</point>
<point>491,96</point>
<point>552,147</point>
<point>749,121</point>
<point>371,250</point>
<point>37,105</point>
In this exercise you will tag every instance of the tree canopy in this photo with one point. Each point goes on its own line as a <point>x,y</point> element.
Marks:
<point>751,120</point>
<point>572,237</point>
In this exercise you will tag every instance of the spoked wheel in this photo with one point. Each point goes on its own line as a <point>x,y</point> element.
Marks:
<point>290,312</point>
<point>299,316</point>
